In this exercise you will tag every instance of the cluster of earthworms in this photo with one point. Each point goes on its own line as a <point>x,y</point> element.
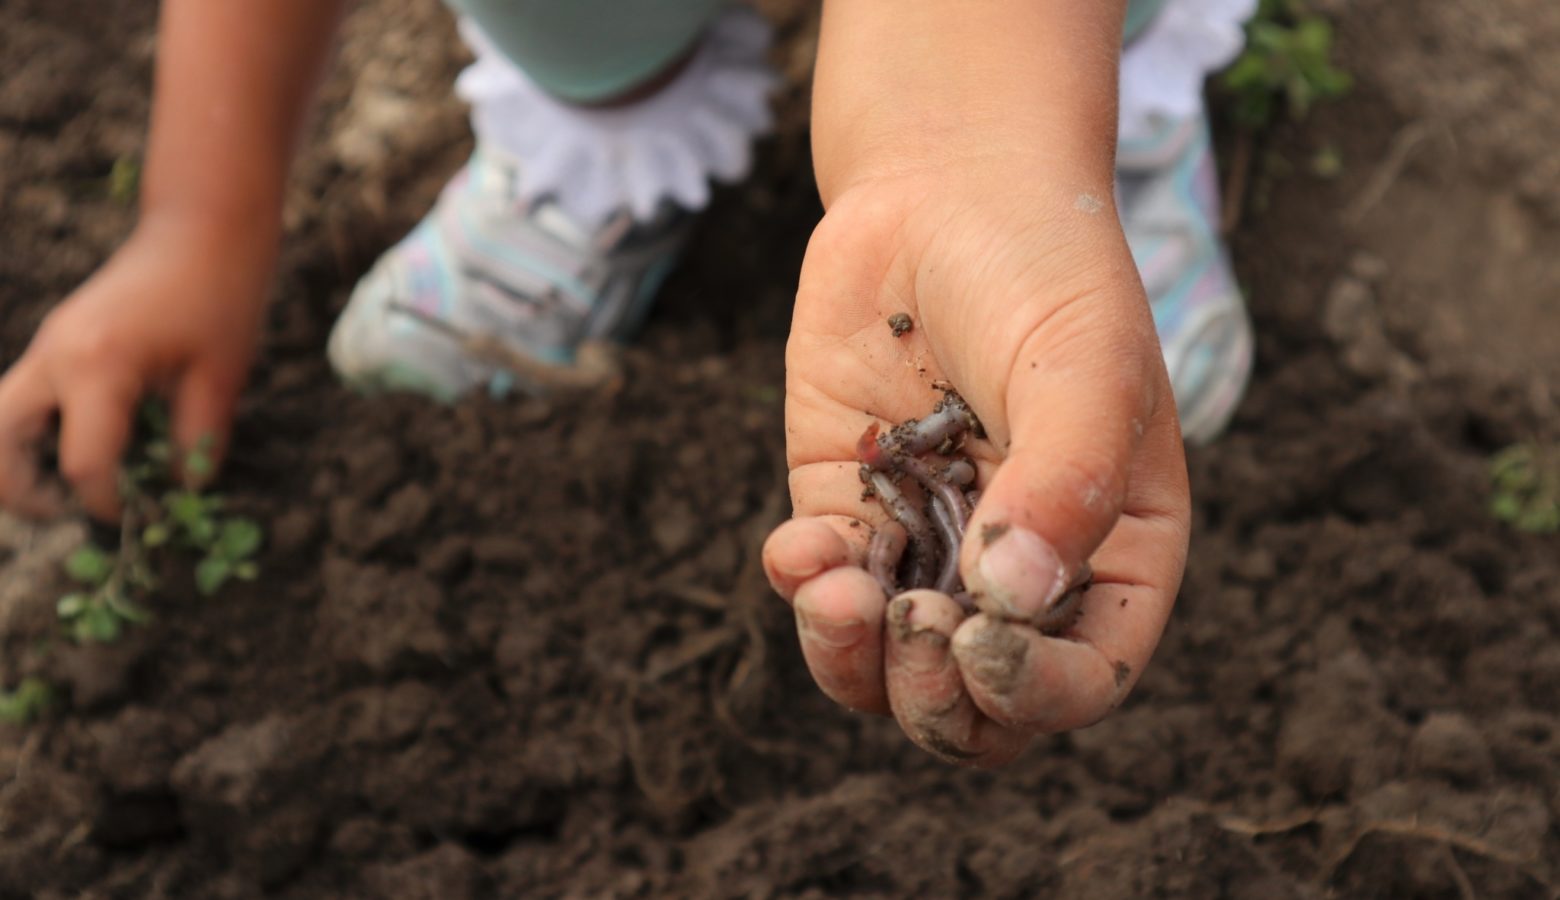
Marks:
<point>919,546</point>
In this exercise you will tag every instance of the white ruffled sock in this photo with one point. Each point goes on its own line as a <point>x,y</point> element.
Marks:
<point>596,161</point>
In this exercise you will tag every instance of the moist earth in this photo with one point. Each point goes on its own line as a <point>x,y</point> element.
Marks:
<point>524,648</point>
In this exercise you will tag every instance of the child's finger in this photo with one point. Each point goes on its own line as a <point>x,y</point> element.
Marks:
<point>203,405</point>
<point>801,549</point>
<point>926,690</point>
<point>94,430</point>
<point>26,407</point>
<point>839,620</point>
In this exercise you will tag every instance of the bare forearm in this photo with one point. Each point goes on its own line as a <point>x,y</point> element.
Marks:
<point>913,84</point>
<point>234,78</point>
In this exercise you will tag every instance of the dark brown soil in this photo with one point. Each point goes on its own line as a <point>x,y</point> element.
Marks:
<point>524,649</point>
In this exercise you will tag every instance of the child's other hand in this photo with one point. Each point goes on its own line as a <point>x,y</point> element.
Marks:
<point>1023,296</point>
<point>174,312</point>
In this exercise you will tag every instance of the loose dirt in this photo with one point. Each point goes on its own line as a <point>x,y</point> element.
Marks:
<point>524,649</point>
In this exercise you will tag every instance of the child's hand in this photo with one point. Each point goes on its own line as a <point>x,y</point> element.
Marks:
<point>1023,296</point>
<point>174,312</point>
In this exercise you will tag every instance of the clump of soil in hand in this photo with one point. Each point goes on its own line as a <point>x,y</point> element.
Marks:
<point>901,324</point>
<point>920,547</point>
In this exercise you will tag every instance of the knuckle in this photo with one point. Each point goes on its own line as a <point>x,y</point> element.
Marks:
<point>1093,480</point>
<point>79,469</point>
<point>78,343</point>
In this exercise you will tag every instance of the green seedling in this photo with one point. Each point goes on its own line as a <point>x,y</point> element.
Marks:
<point>124,181</point>
<point>164,518</point>
<point>104,602</point>
<point>1287,64</point>
<point>27,702</point>
<point>1525,493</point>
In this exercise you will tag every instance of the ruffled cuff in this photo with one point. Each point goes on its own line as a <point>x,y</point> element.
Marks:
<point>1163,70</point>
<point>595,162</point>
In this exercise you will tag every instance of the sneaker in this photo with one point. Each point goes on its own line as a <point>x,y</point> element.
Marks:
<point>509,281</point>
<point>492,291</point>
<point>1168,194</point>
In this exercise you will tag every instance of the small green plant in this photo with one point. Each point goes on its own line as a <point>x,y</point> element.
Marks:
<point>1526,488</point>
<point>28,701</point>
<point>1287,62</point>
<point>162,515</point>
<point>124,181</point>
<point>104,602</point>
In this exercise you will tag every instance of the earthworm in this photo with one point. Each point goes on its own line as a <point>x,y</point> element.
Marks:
<point>1067,607</point>
<point>952,539</point>
<point>939,488</point>
<point>960,473</point>
<point>939,432</point>
<point>918,532</point>
<point>933,539</point>
<point>933,546</point>
<point>888,545</point>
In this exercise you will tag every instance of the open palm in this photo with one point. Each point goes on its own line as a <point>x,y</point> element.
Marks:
<point>1026,300</point>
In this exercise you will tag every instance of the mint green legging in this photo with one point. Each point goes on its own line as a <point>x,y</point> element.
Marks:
<point>588,50</point>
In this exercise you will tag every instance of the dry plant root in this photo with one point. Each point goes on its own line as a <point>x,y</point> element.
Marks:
<point>920,547</point>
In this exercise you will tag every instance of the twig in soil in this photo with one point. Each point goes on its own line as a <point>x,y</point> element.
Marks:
<point>1460,877</point>
<point>1416,829</point>
<point>1386,175</point>
<point>1410,827</point>
<point>1236,183</point>
<point>595,365</point>
<point>921,549</point>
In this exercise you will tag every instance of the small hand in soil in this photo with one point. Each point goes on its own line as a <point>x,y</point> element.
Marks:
<point>973,618</point>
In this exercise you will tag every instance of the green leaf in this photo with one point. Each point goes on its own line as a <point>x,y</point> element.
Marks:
<point>1539,519</point>
<point>202,533</point>
<point>1506,507</point>
<point>185,507</point>
<point>156,535</point>
<point>99,624</point>
<point>1328,162</point>
<point>212,573</point>
<point>124,180</point>
<point>127,610</point>
<point>198,465</point>
<point>89,565</point>
<point>240,539</point>
<point>72,605</point>
<point>247,571</point>
<point>31,698</point>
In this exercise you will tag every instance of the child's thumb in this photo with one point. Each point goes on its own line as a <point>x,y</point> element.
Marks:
<point>1074,421</point>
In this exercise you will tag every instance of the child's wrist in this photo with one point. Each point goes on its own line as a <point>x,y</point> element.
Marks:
<point>1001,87</point>
<point>250,243</point>
<point>240,255</point>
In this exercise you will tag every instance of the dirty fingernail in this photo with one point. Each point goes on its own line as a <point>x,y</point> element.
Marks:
<point>1021,576</point>
<point>836,634</point>
<point>920,646</point>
